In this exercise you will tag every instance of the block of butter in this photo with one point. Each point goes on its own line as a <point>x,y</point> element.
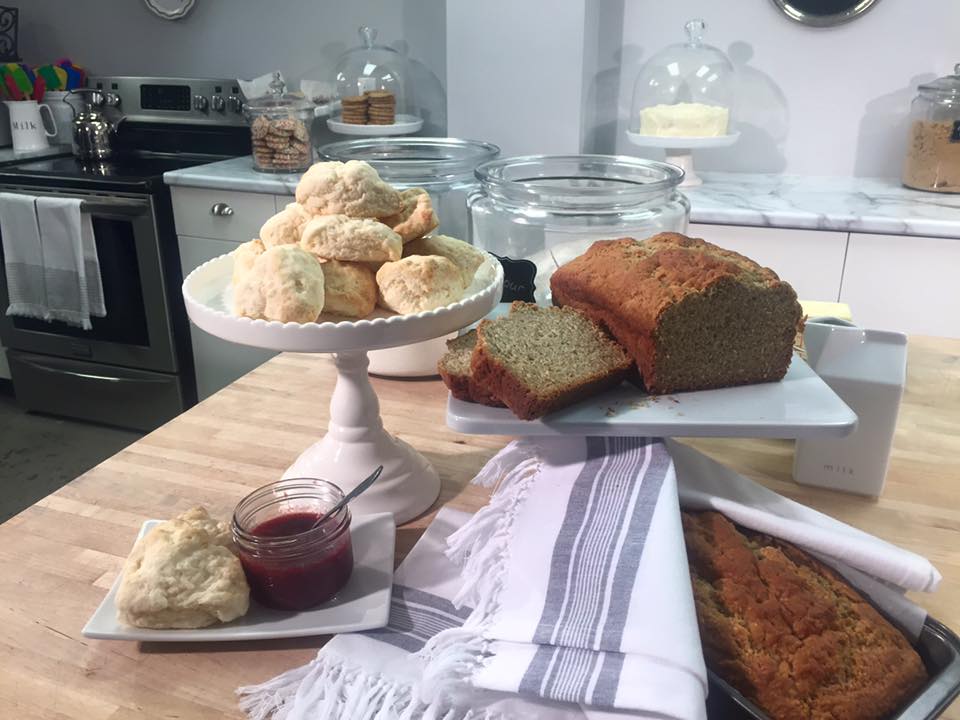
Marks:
<point>820,308</point>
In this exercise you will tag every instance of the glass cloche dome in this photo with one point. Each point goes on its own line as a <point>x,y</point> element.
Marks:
<point>685,90</point>
<point>372,67</point>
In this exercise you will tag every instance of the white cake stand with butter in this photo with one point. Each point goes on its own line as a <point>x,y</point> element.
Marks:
<point>356,441</point>
<point>679,150</point>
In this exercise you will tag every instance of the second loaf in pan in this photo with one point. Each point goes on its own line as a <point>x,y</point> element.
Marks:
<point>791,634</point>
<point>694,316</point>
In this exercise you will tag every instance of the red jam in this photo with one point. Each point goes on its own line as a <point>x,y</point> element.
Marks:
<point>314,568</point>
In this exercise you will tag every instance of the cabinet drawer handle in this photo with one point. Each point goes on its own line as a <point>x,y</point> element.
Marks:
<point>221,210</point>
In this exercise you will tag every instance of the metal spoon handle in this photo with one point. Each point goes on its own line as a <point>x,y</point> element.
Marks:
<point>351,495</point>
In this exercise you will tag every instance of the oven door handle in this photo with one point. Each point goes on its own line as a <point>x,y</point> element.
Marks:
<point>88,376</point>
<point>114,207</point>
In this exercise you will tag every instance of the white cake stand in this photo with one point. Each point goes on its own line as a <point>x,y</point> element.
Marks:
<point>680,150</point>
<point>356,441</point>
<point>404,125</point>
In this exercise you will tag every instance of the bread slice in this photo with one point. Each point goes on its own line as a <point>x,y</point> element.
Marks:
<point>454,369</point>
<point>693,315</point>
<point>539,359</point>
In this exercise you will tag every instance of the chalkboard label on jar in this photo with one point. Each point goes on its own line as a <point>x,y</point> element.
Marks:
<point>518,279</point>
<point>955,135</point>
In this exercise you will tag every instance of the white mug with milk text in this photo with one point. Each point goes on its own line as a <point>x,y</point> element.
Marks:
<point>27,129</point>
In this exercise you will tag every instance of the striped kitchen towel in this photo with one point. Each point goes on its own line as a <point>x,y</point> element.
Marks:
<point>378,674</point>
<point>577,575</point>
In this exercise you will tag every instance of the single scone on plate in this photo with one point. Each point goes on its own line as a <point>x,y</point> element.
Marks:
<point>183,574</point>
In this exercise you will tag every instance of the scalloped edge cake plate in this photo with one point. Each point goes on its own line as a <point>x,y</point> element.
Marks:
<point>207,293</point>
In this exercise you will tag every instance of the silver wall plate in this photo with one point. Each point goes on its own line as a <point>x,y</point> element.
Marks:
<point>824,13</point>
<point>170,9</point>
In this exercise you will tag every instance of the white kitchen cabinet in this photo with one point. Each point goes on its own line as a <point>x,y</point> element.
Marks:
<point>810,260</point>
<point>217,362</point>
<point>220,214</point>
<point>903,283</point>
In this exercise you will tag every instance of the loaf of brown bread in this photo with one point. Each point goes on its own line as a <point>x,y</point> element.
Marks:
<point>454,369</point>
<point>789,633</point>
<point>692,315</point>
<point>539,359</point>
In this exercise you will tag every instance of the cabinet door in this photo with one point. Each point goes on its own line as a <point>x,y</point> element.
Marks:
<point>218,362</point>
<point>898,282</point>
<point>810,260</point>
<point>221,214</point>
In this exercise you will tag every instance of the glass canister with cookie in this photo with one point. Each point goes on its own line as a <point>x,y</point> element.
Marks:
<point>538,212</point>
<point>280,130</point>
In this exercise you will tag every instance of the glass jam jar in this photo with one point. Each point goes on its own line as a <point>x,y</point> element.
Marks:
<point>933,144</point>
<point>289,563</point>
<point>441,166</point>
<point>538,212</point>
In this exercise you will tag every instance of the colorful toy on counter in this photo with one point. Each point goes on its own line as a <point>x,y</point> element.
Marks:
<point>21,83</point>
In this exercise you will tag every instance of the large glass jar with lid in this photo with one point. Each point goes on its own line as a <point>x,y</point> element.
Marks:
<point>538,212</point>
<point>280,130</point>
<point>685,90</point>
<point>372,67</point>
<point>441,166</point>
<point>933,143</point>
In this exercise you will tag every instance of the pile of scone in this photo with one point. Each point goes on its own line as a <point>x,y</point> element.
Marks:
<point>350,242</point>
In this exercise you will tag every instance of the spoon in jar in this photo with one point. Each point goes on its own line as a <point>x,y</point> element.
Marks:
<point>362,487</point>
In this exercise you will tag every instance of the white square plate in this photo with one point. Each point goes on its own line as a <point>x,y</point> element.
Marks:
<point>363,604</point>
<point>801,405</point>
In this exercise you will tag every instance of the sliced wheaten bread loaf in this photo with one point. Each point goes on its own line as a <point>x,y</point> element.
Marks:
<point>539,359</point>
<point>454,368</point>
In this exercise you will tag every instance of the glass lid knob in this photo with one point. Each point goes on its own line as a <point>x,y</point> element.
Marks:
<point>368,35</point>
<point>695,30</point>
<point>277,85</point>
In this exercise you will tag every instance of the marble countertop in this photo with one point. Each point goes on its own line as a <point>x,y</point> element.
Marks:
<point>8,156</point>
<point>234,174</point>
<point>873,205</point>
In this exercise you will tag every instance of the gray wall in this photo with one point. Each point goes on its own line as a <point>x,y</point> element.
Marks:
<point>238,38</point>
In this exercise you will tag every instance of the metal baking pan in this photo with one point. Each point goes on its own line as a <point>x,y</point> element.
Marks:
<point>939,647</point>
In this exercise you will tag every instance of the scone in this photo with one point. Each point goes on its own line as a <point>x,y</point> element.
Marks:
<point>285,227</point>
<point>350,289</point>
<point>464,255</point>
<point>418,283</point>
<point>285,284</point>
<point>244,257</point>
<point>417,217</point>
<point>352,188</point>
<point>338,237</point>
<point>182,574</point>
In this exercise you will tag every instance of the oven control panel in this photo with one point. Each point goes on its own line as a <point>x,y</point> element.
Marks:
<point>197,101</point>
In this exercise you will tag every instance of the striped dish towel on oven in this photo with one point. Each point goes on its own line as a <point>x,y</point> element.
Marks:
<point>577,574</point>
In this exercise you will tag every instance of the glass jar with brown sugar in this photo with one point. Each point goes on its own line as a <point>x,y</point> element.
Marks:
<point>933,145</point>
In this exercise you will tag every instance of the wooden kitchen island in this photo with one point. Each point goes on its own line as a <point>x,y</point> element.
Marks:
<point>59,557</point>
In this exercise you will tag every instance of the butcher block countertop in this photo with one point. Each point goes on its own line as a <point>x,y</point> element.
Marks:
<point>59,557</point>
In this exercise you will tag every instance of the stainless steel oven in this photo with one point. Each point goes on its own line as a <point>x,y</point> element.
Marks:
<point>128,355</point>
<point>134,367</point>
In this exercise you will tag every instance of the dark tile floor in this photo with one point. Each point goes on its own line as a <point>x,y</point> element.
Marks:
<point>39,454</point>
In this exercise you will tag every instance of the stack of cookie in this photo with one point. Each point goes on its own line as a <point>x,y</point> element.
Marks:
<point>382,107</point>
<point>280,144</point>
<point>350,242</point>
<point>354,109</point>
